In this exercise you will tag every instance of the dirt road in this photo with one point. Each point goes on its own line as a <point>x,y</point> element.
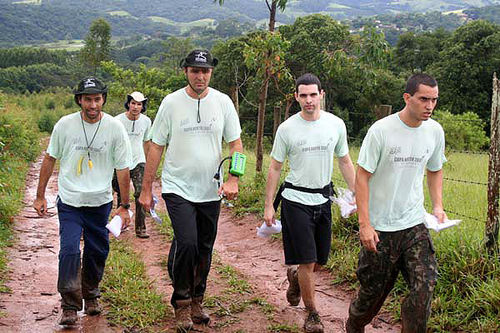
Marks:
<point>33,304</point>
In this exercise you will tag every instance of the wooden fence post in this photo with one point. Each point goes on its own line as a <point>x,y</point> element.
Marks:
<point>492,224</point>
<point>382,111</point>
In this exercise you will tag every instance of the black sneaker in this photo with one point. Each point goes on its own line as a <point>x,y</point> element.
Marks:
<point>293,292</point>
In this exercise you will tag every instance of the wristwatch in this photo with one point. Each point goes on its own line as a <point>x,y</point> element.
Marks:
<point>126,206</point>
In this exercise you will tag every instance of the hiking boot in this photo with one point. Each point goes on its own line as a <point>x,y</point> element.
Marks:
<point>141,233</point>
<point>183,320</point>
<point>68,317</point>
<point>92,307</point>
<point>293,292</point>
<point>350,327</point>
<point>197,314</point>
<point>313,323</point>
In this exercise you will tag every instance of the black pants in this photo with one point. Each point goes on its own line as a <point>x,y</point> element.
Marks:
<point>190,257</point>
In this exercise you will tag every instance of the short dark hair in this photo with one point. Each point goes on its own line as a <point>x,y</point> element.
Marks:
<point>417,79</point>
<point>307,79</point>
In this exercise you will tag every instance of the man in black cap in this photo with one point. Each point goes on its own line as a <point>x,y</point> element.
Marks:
<point>192,121</point>
<point>89,144</point>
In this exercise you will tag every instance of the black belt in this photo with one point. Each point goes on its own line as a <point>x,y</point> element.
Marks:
<point>327,191</point>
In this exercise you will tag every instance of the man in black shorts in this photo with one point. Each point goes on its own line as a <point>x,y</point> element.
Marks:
<point>309,139</point>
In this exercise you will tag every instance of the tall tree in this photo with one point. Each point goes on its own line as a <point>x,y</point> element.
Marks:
<point>267,75</point>
<point>97,44</point>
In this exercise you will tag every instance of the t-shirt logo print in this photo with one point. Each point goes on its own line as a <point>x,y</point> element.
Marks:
<point>88,83</point>
<point>200,57</point>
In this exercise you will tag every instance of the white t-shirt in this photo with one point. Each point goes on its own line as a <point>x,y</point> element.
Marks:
<point>194,149</point>
<point>138,133</point>
<point>310,147</point>
<point>397,156</point>
<point>110,150</point>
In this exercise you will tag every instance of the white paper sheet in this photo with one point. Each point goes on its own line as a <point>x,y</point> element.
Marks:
<point>265,232</point>
<point>431,222</point>
<point>115,225</point>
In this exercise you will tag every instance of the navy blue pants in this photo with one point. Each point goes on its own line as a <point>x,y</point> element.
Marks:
<point>190,257</point>
<point>79,278</point>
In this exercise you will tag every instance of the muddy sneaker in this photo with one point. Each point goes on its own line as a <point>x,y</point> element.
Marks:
<point>313,323</point>
<point>68,317</point>
<point>183,320</point>
<point>197,314</point>
<point>92,307</point>
<point>293,292</point>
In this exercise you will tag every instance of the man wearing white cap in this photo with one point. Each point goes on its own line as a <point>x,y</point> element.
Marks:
<point>137,125</point>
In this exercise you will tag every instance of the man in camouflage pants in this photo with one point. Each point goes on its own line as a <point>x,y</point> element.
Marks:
<point>137,125</point>
<point>394,156</point>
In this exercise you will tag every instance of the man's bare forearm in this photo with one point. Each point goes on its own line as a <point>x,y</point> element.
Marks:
<point>46,171</point>
<point>152,162</point>
<point>123,177</point>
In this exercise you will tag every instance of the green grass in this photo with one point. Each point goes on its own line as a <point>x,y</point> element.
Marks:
<point>185,26</point>
<point>131,300</point>
<point>19,145</point>
<point>467,295</point>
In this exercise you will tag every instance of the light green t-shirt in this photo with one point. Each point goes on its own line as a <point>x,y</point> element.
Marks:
<point>310,147</point>
<point>397,156</point>
<point>110,150</point>
<point>194,149</point>
<point>138,133</point>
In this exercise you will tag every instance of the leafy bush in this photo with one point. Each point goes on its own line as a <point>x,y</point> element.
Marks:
<point>19,145</point>
<point>462,131</point>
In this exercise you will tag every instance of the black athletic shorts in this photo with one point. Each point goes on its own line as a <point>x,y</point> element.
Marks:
<point>307,232</point>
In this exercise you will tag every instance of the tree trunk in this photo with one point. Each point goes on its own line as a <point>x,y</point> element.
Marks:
<point>263,97</point>
<point>492,224</point>
<point>289,103</point>
<point>272,15</point>
<point>277,119</point>
<point>235,98</point>
<point>261,121</point>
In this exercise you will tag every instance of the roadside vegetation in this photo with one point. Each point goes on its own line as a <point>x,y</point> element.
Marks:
<point>19,145</point>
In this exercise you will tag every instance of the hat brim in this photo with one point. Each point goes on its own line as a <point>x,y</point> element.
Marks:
<point>89,91</point>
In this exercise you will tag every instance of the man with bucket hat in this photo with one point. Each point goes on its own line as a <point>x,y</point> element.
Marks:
<point>192,121</point>
<point>89,145</point>
<point>137,125</point>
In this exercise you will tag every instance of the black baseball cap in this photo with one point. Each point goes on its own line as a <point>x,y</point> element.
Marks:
<point>90,85</point>
<point>199,58</point>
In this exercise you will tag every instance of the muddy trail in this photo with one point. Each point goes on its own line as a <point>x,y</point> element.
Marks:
<point>260,306</point>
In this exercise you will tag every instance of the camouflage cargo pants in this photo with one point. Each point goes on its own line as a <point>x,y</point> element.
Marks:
<point>136,175</point>
<point>409,251</point>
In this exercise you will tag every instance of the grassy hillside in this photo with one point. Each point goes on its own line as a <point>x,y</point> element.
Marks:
<point>41,21</point>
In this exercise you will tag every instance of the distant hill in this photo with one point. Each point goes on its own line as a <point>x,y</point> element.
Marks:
<point>38,21</point>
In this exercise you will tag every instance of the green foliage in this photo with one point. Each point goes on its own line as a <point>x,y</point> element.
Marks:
<point>465,68</point>
<point>23,56</point>
<point>153,83</point>
<point>97,44</point>
<point>462,131</point>
<point>34,78</point>
<point>19,145</point>
<point>416,52</point>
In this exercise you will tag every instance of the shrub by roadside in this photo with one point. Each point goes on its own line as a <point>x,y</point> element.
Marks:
<point>19,145</point>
